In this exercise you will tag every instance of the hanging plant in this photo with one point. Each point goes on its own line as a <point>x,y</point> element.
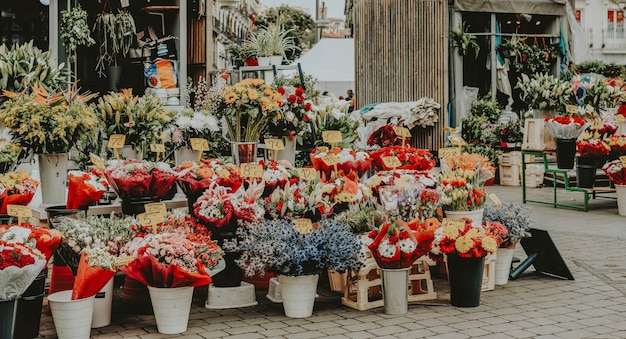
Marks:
<point>116,33</point>
<point>74,31</point>
<point>464,40</point>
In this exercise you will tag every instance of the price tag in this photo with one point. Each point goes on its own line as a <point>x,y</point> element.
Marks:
<point>330,159</point>
<point>97,161</point>
<point>457,140</point>
<point>199,144</point>
<point>274,144</point>
<point>157,148</point>
<point>590,109</point>
<point>392,162</point>
<point>571,109</point>
<point>308,174</point>
<point>402,132</point>
<point>157,208</point>
<point>303,225</point>
<point>620,118</point>
<point>623,160</point>
<point>150,219</point>
<point>332,137</point>
<point>458,223</point>
<point>251,170</point>
<point>495,199</point>
<point>447,152</point>
<point>116,141</point>
<point>19,211</point>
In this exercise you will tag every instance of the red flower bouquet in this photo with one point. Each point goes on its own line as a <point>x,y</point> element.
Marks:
<point>616,171</point>
<point>395,245</point>
<point>277,174</point>
<point>411,158</point>
<point>617,144</point>
<point>43,239</point>
<point>171,260</point>
<point>176,222</point>
<point>467,240</point>
<point>594,148</point>
<point>349,160</point>
<point>84,189</point>
<point>195,177</point>
<point>565,127</point>
<point>344,189</point>
<point>385,136</point>
<point>605,130</point>
<point>133,179</point>
<point>19,266</point>
<point>300,200</point>
<point>16,188</point>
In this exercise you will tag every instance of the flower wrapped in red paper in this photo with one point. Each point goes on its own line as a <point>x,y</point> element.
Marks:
<point>343,190</point>
<point>16,188</point>
<point>604,130</point>
<point>616,171</point>
<point>300,200</point>
<point>214,208</point>
<point>171,260</point>
<point>19,266</point>
<point>594,148</point>
<point>385,136</point>
<point>37,237</point>
<point>349,160</point>
<point>130,179</point>
<point>566,127</point>
<point>617,144</point>
<point>277,174</point>
<point>163,178</point>
<point>411,158</point>
<point>395,245</point>
<point>84,189</point>
<point>195,177</point>
<point>248,203</point>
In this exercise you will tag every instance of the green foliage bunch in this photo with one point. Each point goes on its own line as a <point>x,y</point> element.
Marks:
<point>23,66</point>
<point>74,31</point>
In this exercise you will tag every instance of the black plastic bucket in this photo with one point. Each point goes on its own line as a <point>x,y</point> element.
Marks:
<point>7,317</point>
<point>136,206</point>
<point>29,306</point>
<point>585,175</point>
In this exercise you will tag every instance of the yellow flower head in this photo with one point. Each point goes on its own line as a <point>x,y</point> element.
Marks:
<point>464,244</point>
<point>489,244</point>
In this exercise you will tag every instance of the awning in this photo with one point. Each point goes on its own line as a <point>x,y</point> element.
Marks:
<point>543,7</point>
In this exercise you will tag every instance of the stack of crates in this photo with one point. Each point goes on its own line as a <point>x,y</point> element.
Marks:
<point>537,137</point>
<point>510,168</point>
<point>534,175</point>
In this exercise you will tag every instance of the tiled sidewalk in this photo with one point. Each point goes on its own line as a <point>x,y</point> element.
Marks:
<point>593,245</point>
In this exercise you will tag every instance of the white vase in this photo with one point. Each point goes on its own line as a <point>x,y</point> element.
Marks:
<point>264,61</point>
<point>171,307</point>
<point>298,294</point>
<point>620,190</point>
<point>72,318</point>
<point>128,152</point>
<point>184,154</point>
<point>475,215</point>
<point>503,265</point>
<point>276,60</point>
<point>102,306</point>
<point>289,153</point>
<point>53,175</point>
<point>395,290</point>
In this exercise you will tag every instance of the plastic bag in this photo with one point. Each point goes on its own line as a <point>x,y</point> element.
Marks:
<point>161,73</point>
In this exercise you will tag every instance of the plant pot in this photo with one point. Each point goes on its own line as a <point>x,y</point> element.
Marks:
<point>29,305</point>
<point>184,154</point>
<point>243,152</point>
<point>171,307</point>
<point>289,153</point>
<point>395,290</point>
<point>102,306</point>
<point>565,152</point>
<point>8,310</point>
<point>53,174</point>
<point>72,318</point>
<point>276,60</point>
<point>585,175</point>
<point>466,277</point>
<point>620,190</point>
<point>475,215</point>
<point>504,258</point>
<point>298,294</point>
<point>135,206</point>
<point>264,61</point>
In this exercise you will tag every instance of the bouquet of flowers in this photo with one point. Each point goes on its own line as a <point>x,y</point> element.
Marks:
<point>597,93</point>
<point>467,240</point>
<point>84,189</point>
<point>214,207</point>
<point>593,148</point>
<point>544,92</point>
<point>246,108</point>
<point>298,200</point>
<point>329,113</point>
<point>291,122</point>
<point>195,177</point>
<point>95,268</point>
<point>279,247</point>
<point>179,222</point>
<point>171,260</point>
<point>247,203</point>
<point>19,266</point>
<point>616,171</point>
<point>349,160</point>
<point>137,179</point>
<point>16,188</point>
<point>515,218</point>
<point>400,178</point>
<point>603,129</point>
<point>9,152</point>
<point>344,189</point>
<point>277,174</point>
<point>462,190</point>
<point>395,245</point>
<point>617,143</point>
<point>411,158</point>
<point>197,124</point>
<point>43,239</point>
<point>385,136</point>
<point>565,127</point>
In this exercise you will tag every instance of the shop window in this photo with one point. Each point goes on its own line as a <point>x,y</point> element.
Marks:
<point>615,24</point>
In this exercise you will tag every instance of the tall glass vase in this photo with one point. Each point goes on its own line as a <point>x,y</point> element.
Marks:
<point>244,152</point>
<point>53,175</point>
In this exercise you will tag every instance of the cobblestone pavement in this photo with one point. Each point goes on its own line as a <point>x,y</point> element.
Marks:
<point>592,244</point>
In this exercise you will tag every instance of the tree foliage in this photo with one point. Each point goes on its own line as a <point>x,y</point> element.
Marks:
<point>300,23</point>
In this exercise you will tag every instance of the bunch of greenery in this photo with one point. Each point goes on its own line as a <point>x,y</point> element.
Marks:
<point>25,65</point>
<point>545,92</point>
<point>464,41</point>
<point>511,132</point>
<point>74,31</point>
<point>609,70</point>
<point>298,23</point>
<point>483,112</point>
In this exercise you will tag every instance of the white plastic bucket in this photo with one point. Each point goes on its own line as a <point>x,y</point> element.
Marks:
<point>298,294</point>
<point>476,215</point>
<point>503,265</point>
<point>53,174</point>
<point>72,318</point>
<point>102,306</point>
<point>395,290</point>
<point>184,154</point>
<point>621,199</point>
<point>171,308</point>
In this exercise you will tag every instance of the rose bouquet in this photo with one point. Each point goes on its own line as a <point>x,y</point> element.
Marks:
<point>171,260</point>
<point>396,245</point>
<point>43,239</point>
<point>16,188</point>
<point>565,127</point>
<point>411,158</point>
<point>195,177</point>
<point>299,200</point>
<point>291,122</point>
<point>616,171</point>
<point>385,136</point>
<point>349,160</point>
<point>515,218</point>
<point>465,240</point>
<point>19,266</point>
<point>138,179</point>
<point>603,130</point>
<point>593,148</point>
<point>617,143</point>
<point>84,189</point>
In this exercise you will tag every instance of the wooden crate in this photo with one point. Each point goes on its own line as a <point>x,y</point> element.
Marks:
<point>510,175</point>
<point>337,280</point>
<point>489,274</point>
<point>537,137</point>
<point>534,175</point>
<point>510,158</point>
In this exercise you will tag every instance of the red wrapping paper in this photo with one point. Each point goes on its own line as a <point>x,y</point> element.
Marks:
<point>137,185</point>
<point>148,271</point>
<point>81,194</point>
<point>16,199</point>
<point>89,279</point>
<point>161,183</point>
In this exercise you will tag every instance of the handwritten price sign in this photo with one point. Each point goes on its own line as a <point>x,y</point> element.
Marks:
<point>402,132</point>
<point>623,160</point>
<point>251,170</point>
<point>97,161</point>
<point>452,222</point>
<point>571,109</point>
<point>150,219</point>
<point>332,137</point>
<point>308,174</point>
<point>274,144</point>
<point>199,144</point>
<point>19,211</point>
<point>447,152</point>
<point>157,148</point>
<point>495,199</point>
<point>157,208</point>
<point>303,225</point>
<point>456,140</point>
<point>116,141</point>
<point>392,162</point>
<point>330,159</point>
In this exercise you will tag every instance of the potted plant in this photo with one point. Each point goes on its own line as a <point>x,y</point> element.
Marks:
<point>511,133</point>
<point>464,40</point>
<point>258,45</point>
<point>115,34</point>
<point>74,31</point>
<point>297,256</point>
<point>279,42</point>
<point>566,129</point>
<point>516,220</point>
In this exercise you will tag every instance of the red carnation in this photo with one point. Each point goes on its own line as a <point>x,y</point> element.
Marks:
<point>281,90</point>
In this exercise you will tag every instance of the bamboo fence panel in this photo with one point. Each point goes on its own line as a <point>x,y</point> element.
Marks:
<point>401,54</point>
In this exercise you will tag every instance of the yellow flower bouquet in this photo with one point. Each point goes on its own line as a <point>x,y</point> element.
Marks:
<point>247,107</point>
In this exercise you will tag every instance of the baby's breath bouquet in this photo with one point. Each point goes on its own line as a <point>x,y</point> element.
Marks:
<point>48,123</point>
<point>544,92</point>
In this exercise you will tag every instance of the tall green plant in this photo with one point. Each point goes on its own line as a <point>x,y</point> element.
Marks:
<point>23,66</point>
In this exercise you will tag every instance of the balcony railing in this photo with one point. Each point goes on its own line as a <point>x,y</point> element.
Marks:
<point>614,40</point>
